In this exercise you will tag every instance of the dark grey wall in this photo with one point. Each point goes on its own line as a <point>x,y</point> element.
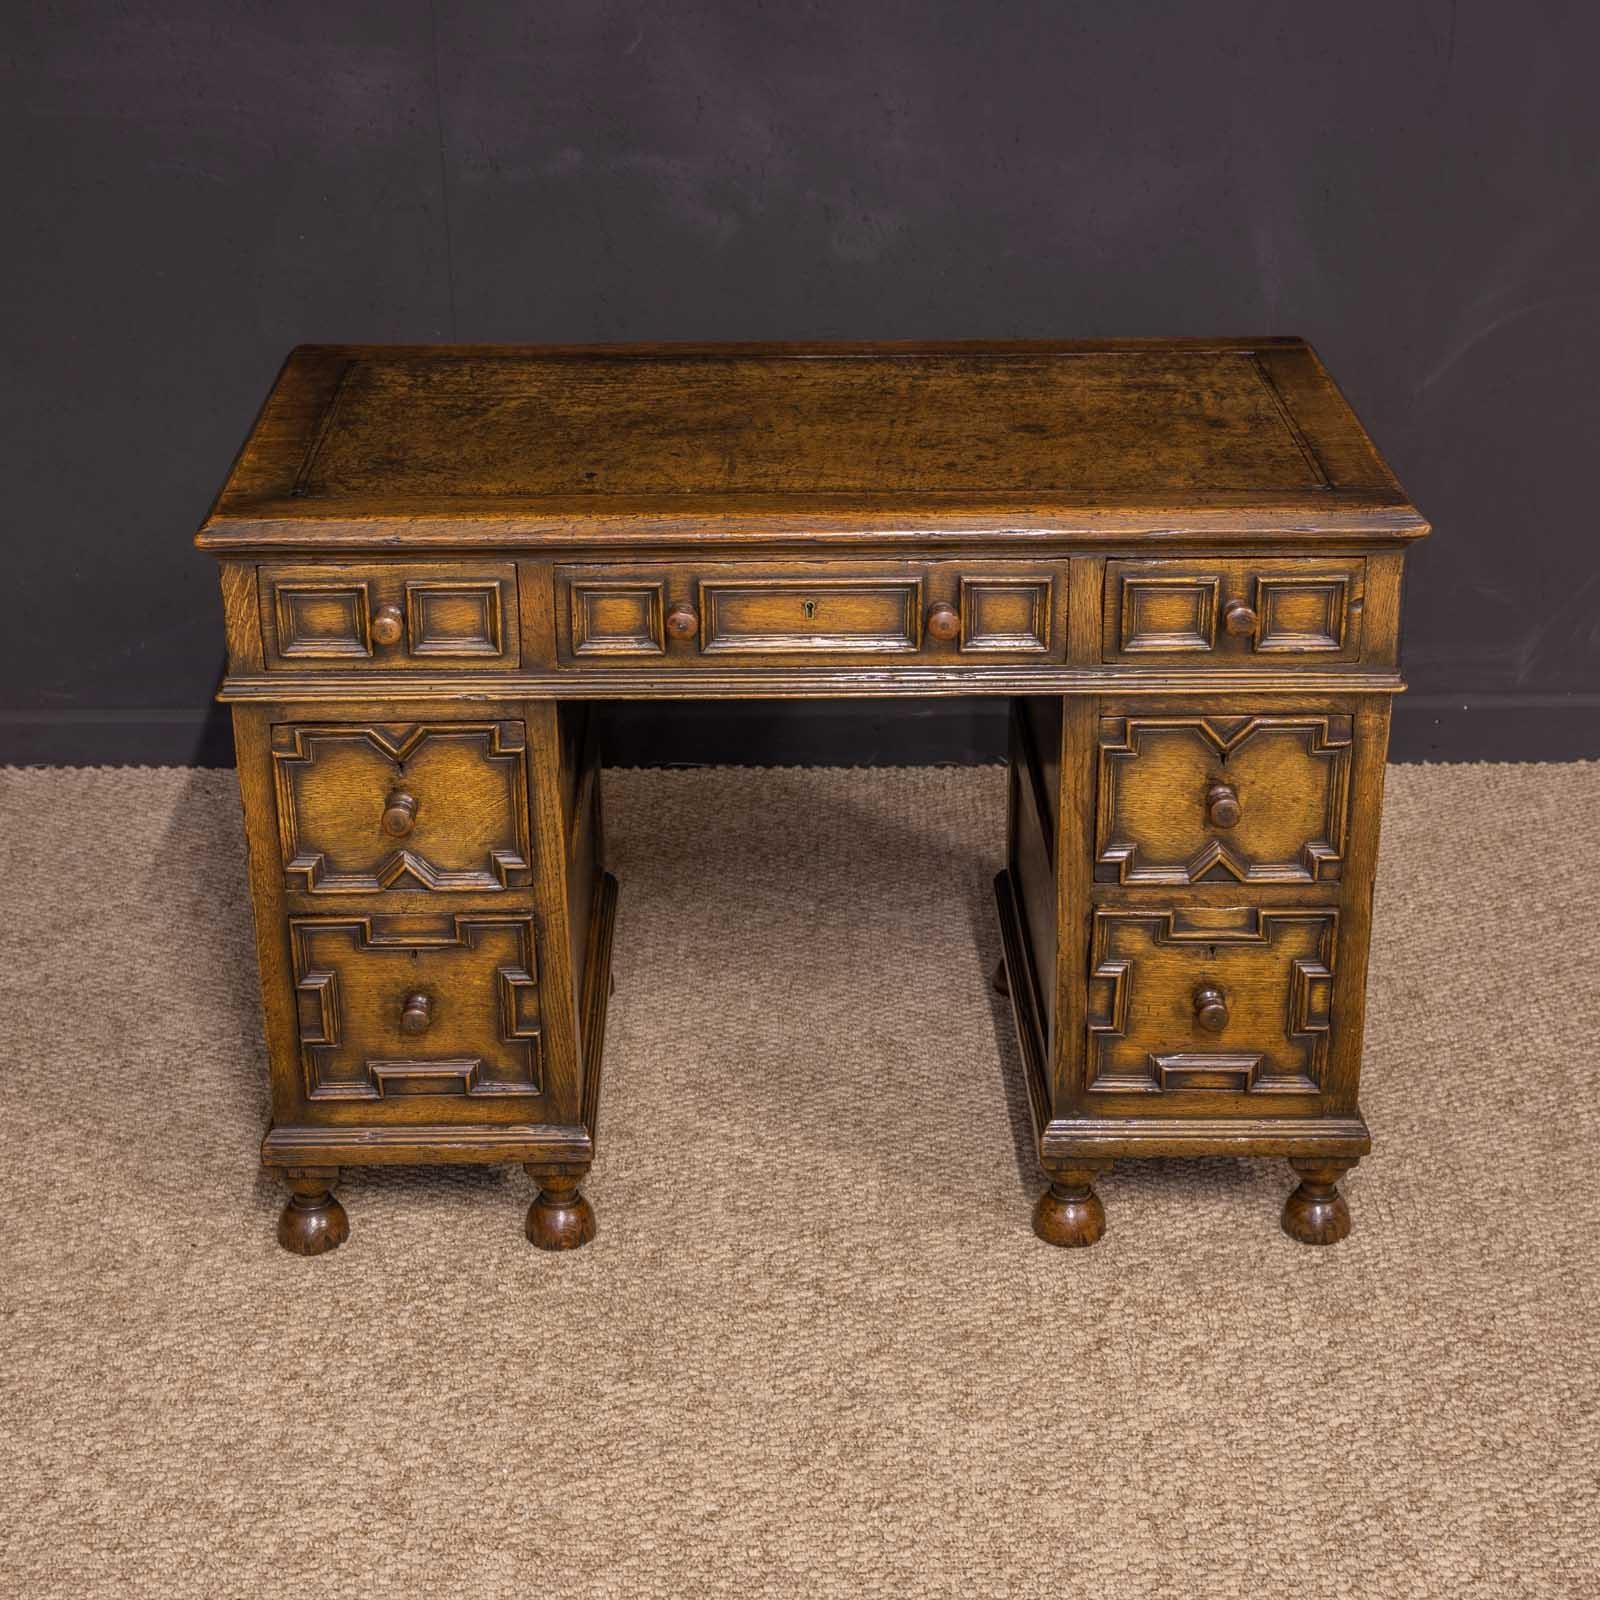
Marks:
<point>196,185</point>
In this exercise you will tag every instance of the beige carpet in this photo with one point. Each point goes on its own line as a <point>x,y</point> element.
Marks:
<point>815,1350</point>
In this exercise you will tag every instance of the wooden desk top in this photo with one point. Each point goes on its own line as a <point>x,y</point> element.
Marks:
<point>412,447</point>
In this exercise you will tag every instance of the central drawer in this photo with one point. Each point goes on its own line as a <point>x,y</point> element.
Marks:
<point>683,614</point>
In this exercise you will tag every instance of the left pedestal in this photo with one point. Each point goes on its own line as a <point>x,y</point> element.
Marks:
<point>433,922</point>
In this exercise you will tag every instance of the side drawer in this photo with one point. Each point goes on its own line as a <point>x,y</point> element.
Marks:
<point>1205,1005</point>
<point>1234,612</point>
<point>371,617</point>
<point>720,614</point>
<point>364,808</point>
<point>1236,795</point>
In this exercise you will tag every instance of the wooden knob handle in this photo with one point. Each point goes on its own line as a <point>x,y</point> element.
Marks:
<point>944,621</point>
<point>416,1014</point>
<point>399,812</point>
<point>1239,618</point>
<point>1222,805</point>
<point>1210,1007</point>
<point>388,624</point>
<point>682,623</point>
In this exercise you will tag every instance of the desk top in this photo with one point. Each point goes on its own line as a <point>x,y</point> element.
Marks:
<point>445,446</point>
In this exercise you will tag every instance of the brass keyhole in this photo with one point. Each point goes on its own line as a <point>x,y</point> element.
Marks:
<point>808,609</point>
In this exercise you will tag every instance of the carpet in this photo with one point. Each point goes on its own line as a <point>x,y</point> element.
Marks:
<point>815,1349</point>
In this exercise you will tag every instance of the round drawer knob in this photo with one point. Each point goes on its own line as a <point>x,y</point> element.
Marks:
<point>388,624</point>
<point>682,623</point>
<point>399,812</point>
<point>944,621</point>
<point>1222,805</point>
<point>1238,618</point>
<point>1210,1007</point>
<point>416,1014</point>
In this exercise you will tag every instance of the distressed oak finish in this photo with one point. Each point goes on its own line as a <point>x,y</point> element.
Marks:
<point>1180,560</point>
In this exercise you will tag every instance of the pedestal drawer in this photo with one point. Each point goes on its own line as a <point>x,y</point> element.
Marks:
<point>1211,1003</point>
<point>1253,797</point>
<point>436,1017</point>
<point>364,808</point>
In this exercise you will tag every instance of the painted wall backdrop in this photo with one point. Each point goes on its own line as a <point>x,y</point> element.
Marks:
<point>194,186</point>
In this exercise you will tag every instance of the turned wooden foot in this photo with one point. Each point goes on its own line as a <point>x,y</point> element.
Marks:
<point>1316,1212</point>
<point>559,1218</point>
<point>1069,1212</point>
<point>313,1222</point>
<point>1001,985</point>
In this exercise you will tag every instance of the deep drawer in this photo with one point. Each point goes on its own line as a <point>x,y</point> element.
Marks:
<point>1240,796</point>
<point>364,808</point>
<point>439,1016</point>
<point>1234,612</point>
<point>422,617</point>
<point>723,614</point>
<point>1209,1001</point>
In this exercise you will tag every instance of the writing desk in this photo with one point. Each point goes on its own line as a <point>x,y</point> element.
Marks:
<point>1180,559</point>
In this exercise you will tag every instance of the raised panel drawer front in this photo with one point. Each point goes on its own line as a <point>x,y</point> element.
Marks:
<point>371,617</point>
<point>365,808</point>
<point>431,1009</point>
<point>679,615</point>
<point>1209,1000</point>
<point>1251,798</point>
<point>1232,613</point>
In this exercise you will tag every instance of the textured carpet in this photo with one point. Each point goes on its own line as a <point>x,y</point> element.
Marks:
<point>815,1349</point>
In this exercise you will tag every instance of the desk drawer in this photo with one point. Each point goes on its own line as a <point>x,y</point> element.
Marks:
<point>438,1016</point>
<point>422,617</point>
<point>1209,1002</point>
<point>724,613</point>
<point>1239,795</point>
<point>1234,613</point>
<point>364,808</point>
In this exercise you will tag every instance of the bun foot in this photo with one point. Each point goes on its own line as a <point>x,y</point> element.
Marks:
<point>559,1218</point>
<point>313,1222</point>
<point>1316,1213</point>
<point>1069,1212</point>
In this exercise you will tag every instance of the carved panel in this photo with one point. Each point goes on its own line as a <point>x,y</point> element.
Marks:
<point>453,619</point>
<point>362,983</point>
<point>468,825</point>
<point>802,615</point>
<point>1288,776</point>
<point>612,618</point>
<point>1272,970</point>
<point>1006,613</point>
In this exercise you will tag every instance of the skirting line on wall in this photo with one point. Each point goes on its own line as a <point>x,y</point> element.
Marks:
<point>1427,727</point>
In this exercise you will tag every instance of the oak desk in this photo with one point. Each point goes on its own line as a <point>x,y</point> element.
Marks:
<point>1181,560</point>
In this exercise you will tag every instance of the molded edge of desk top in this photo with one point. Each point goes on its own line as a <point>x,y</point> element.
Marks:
<point>1234,441</point>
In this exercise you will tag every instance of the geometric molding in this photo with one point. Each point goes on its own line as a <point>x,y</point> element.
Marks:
<point>470,827</point>
<point>322,619</point>
<point>453,619</point>
<point>353,976</point>
<point>1006,614</point>
<point>1162,615</point>
<point>615,618</point>
<point>1291,776</point>
<point>1301,616</point>
<point>1274,967</point>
